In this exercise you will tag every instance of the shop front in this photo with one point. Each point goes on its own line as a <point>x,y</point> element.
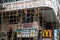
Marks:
<point>27,38</point>
<point>27,34</point>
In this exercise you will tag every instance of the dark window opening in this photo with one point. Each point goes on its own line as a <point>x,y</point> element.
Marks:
<point>13,18</point>
<point>27,18</point>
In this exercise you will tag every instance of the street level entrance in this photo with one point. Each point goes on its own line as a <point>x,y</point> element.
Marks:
<point>27,38</point>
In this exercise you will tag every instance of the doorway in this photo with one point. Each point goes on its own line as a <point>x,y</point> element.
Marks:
<point>27,38</point>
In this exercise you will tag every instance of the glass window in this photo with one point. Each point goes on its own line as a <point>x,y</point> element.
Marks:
<point>27,16</point>
<point>12,0</point>
<point>59,1</point>
<point>22,0</point>
<point>5,1</point>
<point>13,17</point>
<point>0,1</point>
<point>19,0</point>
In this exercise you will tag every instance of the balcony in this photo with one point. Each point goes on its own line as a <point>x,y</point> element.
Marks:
<point>49,6</point>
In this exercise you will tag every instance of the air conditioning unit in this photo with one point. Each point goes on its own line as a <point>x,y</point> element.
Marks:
<point>2,7</point>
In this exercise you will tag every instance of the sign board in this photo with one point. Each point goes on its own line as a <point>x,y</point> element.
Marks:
<point>47,38</point>
<point>26,33</point>
<point>27,25</point>
<point>19,33</point>
<point>47,33</point>
<point>32,33</point>
<point>55,34</point>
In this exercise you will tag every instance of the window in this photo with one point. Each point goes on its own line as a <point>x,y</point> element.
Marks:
<point>19,0</point>
<point>27,17</point>
<point>59,1</point>
<point>6,1</point>
<point>12,0</point>
<point>13,18</point>
<point>0,1</point>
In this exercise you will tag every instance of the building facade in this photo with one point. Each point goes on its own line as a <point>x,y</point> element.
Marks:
<point>29,16</point>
